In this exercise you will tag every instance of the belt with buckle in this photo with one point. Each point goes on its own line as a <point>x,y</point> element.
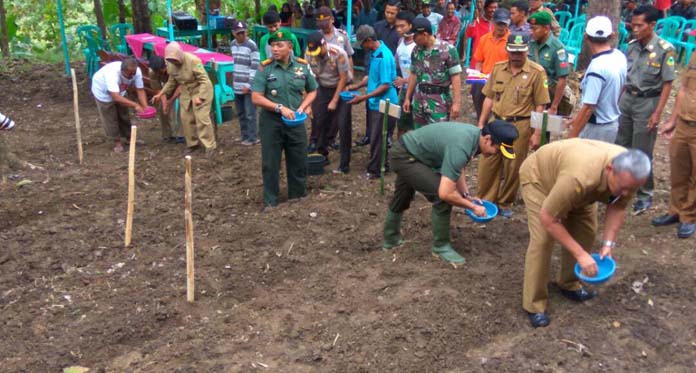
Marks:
<point>511,119</point>
<point>646,94</point>
<point>431,89</point>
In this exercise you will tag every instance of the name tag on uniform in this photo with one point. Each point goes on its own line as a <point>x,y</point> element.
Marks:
<point>271,78</point>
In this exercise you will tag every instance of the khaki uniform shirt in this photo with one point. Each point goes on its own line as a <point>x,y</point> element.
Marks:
<point>552,56</point>
<point>687,106</point>
<point>517,95</point>
<point>328,69</point>
<point>192,76</point>
<point>572,174</point>
<point>285,84</point>
<point>649,66</point>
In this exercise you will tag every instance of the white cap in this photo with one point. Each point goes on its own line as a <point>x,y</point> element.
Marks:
<point>599,27</point>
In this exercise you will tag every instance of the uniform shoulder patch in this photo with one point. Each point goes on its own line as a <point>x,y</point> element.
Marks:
<point>665,45</point>
<point>266,62</point>
<point>561,54</point>
<point>301,60</point>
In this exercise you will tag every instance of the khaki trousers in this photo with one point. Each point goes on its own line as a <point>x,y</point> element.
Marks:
<point>115,119</point>
<point>196,123</point>
<point>682,159</point>
<point>582,226</point>
<point>498,177</point>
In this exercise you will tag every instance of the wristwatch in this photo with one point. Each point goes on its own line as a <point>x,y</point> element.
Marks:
<point>608,243</point>
<point>278,108</point>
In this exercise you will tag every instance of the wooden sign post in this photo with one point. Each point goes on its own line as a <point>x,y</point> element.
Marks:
<point>77,115</point>
<point>131,185</point>
<point>190,272</point>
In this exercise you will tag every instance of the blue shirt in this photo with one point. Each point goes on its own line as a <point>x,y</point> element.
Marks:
<point>382,71</point>
<point>602,84</point>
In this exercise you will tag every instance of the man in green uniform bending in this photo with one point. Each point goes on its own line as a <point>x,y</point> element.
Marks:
<point>432,161</point>
<point>279,90</point>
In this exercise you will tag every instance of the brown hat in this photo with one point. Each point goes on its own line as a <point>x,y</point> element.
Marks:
<point>323,14</point>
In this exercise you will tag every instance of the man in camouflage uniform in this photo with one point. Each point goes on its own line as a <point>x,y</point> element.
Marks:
<point>648,85</point>
<point>435,66</point>
<point>549,52</point>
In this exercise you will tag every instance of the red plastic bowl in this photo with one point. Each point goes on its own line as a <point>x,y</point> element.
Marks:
<point>148,113</point>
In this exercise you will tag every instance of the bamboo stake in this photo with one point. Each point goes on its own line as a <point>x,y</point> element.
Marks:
<point>382,169</point>
<point>131,185</point>
<point>77,115</point>
<point>190,278</point>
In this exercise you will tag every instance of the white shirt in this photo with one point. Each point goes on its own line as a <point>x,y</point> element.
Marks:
<point>434,19</point>
<point>602,84</point>
<point>109,79</point>
<point>403,55</point>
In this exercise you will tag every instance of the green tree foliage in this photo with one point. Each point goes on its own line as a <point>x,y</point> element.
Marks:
<point>33,30</point>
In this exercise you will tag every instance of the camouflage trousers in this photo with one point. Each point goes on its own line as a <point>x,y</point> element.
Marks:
<point>430,108</point>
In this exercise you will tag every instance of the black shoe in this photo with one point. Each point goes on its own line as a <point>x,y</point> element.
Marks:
<point>686,230</point>
<point>539,319</point>
<point>312,148</point>
<point>642,205</point>
<point>371,176</point>
<point>341,170</point>
<point>665,219</point>
<point>389,142</point>
<point>335,146</point>
<point>180,140</point>
<point>362,142</point>
<point>579,295</point>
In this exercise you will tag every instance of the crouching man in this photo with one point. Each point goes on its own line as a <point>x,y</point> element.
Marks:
<point>432,160</point>
<point>560,184</point>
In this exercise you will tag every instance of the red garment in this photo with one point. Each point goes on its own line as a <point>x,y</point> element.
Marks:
<point>475,30</point>
<point>663,4</point>
<point>448,30</point>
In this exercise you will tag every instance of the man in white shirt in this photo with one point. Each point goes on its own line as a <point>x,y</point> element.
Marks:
<point>403,64</point>
<point>426,12</point>
<point>598,118</point>
<point>109,87</point>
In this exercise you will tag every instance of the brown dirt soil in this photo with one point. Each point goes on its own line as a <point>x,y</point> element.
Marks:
<point>284,291</point>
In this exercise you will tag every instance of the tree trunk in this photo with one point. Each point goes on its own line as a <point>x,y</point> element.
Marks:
<point>141,17</point>
<point>121,12</point>
<point>257,6</point>
<point>100,17</point>
<point>4,39</point>
<point>611,9</point>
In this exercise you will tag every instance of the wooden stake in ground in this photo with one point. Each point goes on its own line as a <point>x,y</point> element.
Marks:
<point>77,115</point>
<point>131,185</point>
<point>190,278</point>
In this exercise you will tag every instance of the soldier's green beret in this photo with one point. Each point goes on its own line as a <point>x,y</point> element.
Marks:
<point>280,35</point>
<point>540,18</point>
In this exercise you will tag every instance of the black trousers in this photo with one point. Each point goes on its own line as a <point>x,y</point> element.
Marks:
<point>374,124</point>
<point>325,123</point>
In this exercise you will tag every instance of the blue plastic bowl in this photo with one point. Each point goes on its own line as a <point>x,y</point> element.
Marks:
<point>605,270</point>
<point>491,212</point>
<point>348,95</point>
<point>298,121</point>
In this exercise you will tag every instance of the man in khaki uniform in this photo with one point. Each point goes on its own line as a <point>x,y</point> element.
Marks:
<point>515,88</point>
<point>560,184</point>
<point>186,70</point>
<point>681,127</point>
<point>648,85</point>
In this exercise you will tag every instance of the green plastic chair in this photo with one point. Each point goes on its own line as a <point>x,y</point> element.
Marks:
<point>574,21</point>
<point>563,17</point>
<point>563,37</point>
<point>668,29</point>
<point>92,41</point>
<point>574,44</point>
<point>118,35</point>
<point>686,42</point>
<point>223,92</point>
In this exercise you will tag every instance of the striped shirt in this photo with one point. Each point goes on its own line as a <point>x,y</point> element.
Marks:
<point>246,62</point>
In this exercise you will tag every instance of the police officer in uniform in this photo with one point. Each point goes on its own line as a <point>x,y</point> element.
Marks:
<point>546,50</point>
<point>561,183</point>
<point>330,65</point>
<point>681,127</point>
<point>186,71</point>
<point>282,86</point>
<point>514,89</point>
<point>648,85</point>
<point>435,66</point>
